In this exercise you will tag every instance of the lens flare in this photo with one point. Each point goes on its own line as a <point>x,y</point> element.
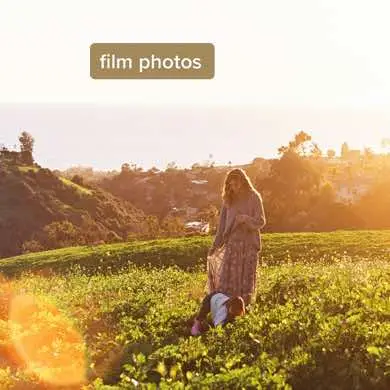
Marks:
<point>8,357</point>
<point>46,341</point>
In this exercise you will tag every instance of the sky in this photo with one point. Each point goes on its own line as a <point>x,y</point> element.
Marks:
<point>280,67</point>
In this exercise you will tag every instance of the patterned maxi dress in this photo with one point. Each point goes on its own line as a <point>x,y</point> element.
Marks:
<point>232,266</point>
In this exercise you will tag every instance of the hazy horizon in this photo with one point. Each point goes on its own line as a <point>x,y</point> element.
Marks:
<point>105,136</point>
<point>317,53</point>
<point>313,65</point>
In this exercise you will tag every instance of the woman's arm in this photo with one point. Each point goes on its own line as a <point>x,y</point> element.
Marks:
<point>256,220</point>
<point>218,241</point>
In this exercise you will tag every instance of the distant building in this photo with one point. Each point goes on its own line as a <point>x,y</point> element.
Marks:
<point>197,227</point>
<point>11,156</point>
<point>351,192</point>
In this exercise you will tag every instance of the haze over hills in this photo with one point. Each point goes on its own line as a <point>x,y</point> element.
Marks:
<point>105,136</point>
<point>303,190</point>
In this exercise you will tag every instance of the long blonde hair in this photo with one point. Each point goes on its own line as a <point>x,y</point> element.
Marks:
<point>246,186</point>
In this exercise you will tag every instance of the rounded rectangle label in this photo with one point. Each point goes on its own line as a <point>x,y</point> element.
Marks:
<point>152,60</point>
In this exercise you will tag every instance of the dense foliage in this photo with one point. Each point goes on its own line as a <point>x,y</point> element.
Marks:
<point>39,210</point>
<point>319,321</point>
<point>302,191</point>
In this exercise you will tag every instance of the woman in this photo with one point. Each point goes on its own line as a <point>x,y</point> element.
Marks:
<point>241,218</point>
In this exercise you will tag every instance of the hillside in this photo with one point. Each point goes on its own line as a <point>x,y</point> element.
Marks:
<point>40,209</point>
<point>321,318</point>
<point>190,253</point>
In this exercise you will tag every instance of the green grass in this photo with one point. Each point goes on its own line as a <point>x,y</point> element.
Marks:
<point>77,187</point>
<point>321,319</point>
<point>319,326</point>
<point>189,252</point>
<point>26,169</point>
<point>64,180</point>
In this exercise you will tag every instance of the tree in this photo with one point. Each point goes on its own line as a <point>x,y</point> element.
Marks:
<point>153,170</point>
<point>172,166</point>
<point>77,179</point>
<point>152,226</point>
<point>172,227</point>
<point>61,234</point>
<point>134,167</point>
<point>32,246</point>
<point>26,142</point>
<point>27,147</point>
<point>316,152</point>
<point>301,145</point>
<point>292,184</point>
<point>374,206</point>
<point>125,168</point>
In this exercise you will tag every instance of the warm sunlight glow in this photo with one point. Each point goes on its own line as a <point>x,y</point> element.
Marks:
<point>46,341</point>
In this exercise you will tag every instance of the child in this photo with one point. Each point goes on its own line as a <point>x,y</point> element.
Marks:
<point>223,310</point>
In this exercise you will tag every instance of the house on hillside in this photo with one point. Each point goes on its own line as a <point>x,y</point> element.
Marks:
<point>197,227</point>
<point>351,192</point>
<point>11,156</point>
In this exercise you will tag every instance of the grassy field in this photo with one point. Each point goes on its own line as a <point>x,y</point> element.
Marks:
<point>321,319</point>
<point>189,252</point>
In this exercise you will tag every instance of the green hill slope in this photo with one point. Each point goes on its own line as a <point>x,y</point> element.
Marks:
<point>320,320</point>
<point>278,248</point>
<point>32,198</point>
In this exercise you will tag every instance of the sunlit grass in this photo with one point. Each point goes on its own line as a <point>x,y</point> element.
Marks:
<point>278,248</point>
<point>26,169</point>
<point>321,318</point>
<point>77,187</point>
<point>145,311</point>
<point>67,182</point>
<point>38,341</point>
